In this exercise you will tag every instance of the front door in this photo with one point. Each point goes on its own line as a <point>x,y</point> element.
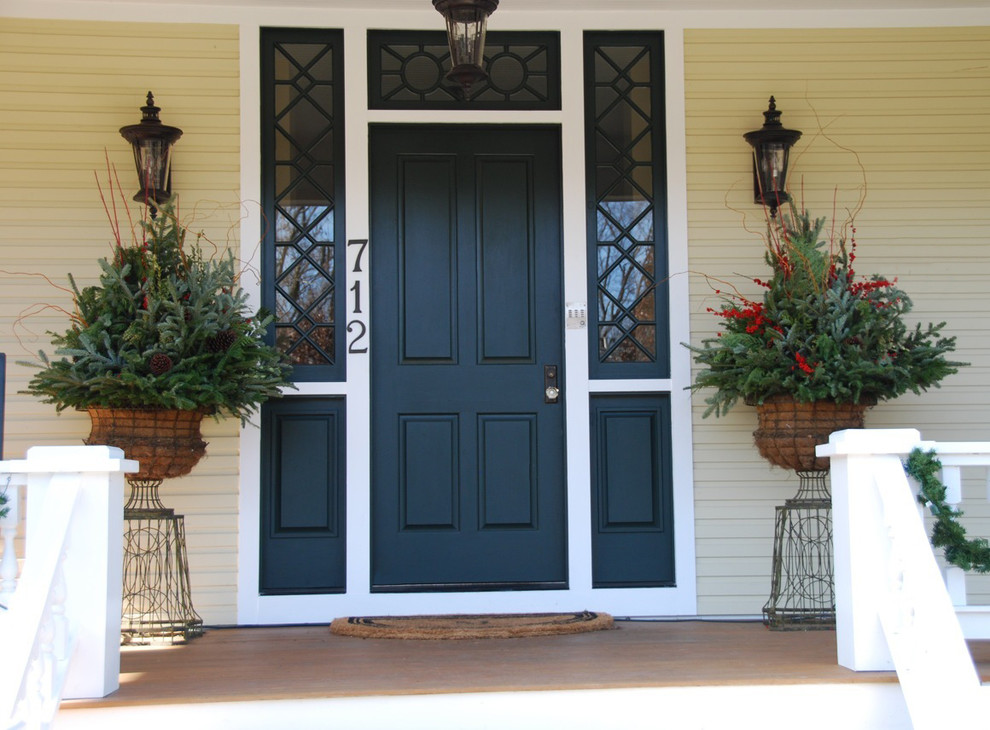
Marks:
<point>467,447</point>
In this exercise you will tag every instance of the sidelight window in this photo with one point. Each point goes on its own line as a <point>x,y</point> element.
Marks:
<point>624,136</point>
<point>302,191</point>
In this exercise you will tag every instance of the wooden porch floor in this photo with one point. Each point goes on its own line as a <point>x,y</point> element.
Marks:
<point>308,662</point>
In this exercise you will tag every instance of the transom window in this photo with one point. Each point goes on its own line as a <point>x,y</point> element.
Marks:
<point>406,70</point>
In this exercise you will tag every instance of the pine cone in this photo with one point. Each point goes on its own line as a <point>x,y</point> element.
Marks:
<point>160,364</point>
<point>221,341</point>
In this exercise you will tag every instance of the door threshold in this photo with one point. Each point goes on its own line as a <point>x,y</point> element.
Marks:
<point>469,587</point>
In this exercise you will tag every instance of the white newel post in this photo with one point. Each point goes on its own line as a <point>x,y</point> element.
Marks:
<point>860,544</point>
<point>93,563</point>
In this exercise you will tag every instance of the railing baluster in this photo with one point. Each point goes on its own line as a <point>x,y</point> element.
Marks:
<point>8,534</point>
<point>955,584</point>
<point>955,578</point>
<point>46,656</point>
<point>952,479</point>
<point>60,621</point>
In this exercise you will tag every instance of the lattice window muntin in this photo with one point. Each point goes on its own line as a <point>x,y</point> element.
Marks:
<point>406,70</point>
<point>304,172</point>
<point>625,215</point>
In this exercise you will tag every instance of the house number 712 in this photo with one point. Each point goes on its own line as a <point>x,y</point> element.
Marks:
<point>357,327</point>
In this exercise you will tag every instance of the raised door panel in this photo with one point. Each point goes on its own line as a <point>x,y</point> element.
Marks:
<point>427,266</point>
<point>303,545</point>
<point>632,519</point>
<point>506,260</point>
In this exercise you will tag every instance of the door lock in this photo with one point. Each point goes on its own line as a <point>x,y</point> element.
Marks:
<point>551,388</point>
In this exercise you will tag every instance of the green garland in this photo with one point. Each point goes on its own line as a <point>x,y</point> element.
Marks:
<point>948,533</point>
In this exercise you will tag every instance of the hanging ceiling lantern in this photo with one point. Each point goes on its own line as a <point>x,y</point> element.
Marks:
<point>466,21</point>
<point>771,148</point>
<point>152,142</point>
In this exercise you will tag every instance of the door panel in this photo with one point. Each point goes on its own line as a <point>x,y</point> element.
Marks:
<point>632,491</point>
<point>507,473</point>
<point>506,266</point>
<point>427,259</point>
<point>303,540</point>
<point>428,447</point>
<point>468,460</point>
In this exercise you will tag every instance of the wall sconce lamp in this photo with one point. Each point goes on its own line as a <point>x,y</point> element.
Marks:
<point>152,142</point>
<point>466,21</point>
<point>771,148</point>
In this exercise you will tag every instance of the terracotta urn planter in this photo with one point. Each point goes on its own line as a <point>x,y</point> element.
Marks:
<point>788,431</point>
<point>167,443</point>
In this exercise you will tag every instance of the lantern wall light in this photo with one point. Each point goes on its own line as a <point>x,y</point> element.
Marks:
<point>466,24</point>
<point>771,149</point>
<point>152,143</point>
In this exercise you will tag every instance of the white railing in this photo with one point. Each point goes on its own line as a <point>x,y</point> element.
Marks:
<point>893,610</point>
<point>61,624</point>
<point>975,619</point>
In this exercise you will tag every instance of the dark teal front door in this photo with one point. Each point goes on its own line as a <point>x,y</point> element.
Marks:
<point>467,454</point>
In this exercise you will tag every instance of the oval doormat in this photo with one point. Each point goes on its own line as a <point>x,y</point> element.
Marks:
<point>471,626</point>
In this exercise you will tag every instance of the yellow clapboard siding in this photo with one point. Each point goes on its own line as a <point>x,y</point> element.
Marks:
<point>66,88</point>
<point>911,108</point>
<point>728,567</point>
<point>61,32</point>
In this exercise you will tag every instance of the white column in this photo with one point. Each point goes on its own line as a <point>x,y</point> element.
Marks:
<point>94,559</point>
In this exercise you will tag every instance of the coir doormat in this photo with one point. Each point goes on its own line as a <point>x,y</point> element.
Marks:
<point>471,626</point>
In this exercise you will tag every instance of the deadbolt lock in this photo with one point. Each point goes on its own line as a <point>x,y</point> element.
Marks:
<point>551,389</point>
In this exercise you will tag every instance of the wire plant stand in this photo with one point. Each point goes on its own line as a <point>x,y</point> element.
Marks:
<point>157,601</point>
<point>802,590</point>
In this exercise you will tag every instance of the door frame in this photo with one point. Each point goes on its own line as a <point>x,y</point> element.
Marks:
<point>682,600</point>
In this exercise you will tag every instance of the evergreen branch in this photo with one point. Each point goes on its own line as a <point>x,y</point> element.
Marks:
<point>818,332</point>
<point>166,327</point>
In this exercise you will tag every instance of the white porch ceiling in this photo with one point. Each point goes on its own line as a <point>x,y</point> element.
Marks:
<point>604,5</point>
